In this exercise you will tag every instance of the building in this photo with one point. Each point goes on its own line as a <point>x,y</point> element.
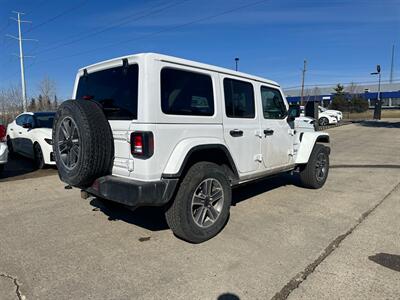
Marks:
<point>390,94</point>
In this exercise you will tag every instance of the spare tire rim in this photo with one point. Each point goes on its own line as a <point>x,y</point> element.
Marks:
<point>207,202</point>
<point>321,166</point>
<point>68,143</point>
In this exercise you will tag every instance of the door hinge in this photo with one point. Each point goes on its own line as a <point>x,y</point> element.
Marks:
<point>259,134</point>
<point>258,157</point>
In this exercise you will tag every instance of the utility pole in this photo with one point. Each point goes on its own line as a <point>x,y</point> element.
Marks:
<point>21,55</point>
<point>302,82</point>
<point>236,63</point>
<point>392,66</point>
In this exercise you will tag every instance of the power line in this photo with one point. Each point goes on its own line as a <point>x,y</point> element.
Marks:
<point>5,26</point>
<point>124,20</point>
<point>160,31</point>
<point>37,7</point>
<point>63,13</point>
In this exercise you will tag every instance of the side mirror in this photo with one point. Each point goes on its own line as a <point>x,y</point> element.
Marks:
<point>27,125</point>
<point>293,113</point>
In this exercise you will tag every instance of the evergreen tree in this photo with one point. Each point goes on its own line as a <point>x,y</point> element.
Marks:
<point>48,104</point>
<point>40,103</point>
<point>55,102</point>
<point>339,101</point>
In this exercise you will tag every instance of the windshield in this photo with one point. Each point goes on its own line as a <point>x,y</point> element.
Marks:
<point>116,89</point>
<point>322,108</point>
<point>44,120</point>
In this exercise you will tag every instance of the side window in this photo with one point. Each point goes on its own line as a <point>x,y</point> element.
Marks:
<point>239,99</point>
<point>273,104</point>
<point>29,119</point>
<point>21,120</point>
<point>186,93</point>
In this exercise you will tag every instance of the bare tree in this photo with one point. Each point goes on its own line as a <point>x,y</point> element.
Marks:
<point>10,103</point>
<point>47,91</point>
<point>353,88</point>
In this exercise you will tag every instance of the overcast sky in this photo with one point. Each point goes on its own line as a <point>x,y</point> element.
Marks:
<point>341,40</point>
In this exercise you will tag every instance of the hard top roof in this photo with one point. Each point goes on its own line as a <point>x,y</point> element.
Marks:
<point>181,61</point>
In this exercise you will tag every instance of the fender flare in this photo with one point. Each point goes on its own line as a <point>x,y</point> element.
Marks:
<point>183,151</point>
<point>308,140</point>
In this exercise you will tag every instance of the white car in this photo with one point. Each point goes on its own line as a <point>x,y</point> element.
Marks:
<point>304,124</point>
<point>30,135</point>
<point>157,130</point>
<point>3,148</point>
<point>325,118</point>
<point>332,112</point>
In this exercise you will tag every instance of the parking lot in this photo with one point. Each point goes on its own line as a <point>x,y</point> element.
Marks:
<point>282,241</point>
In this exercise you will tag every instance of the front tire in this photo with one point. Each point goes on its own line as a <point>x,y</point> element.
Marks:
<point>201,207</point>
<point>39,159</point>
<point>314,174</point>
<point>323,121</point>
<point>10,147</point>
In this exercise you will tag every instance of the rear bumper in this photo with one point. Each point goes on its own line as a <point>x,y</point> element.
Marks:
<point>133,192</point>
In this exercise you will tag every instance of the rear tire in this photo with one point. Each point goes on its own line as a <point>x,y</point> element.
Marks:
<point>39,159</point>
<point>83,143</point>
<point>201,207</point>
<point>1,168</point>
<point>314,174</point>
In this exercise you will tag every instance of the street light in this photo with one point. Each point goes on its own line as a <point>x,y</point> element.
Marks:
<point>378,104</point>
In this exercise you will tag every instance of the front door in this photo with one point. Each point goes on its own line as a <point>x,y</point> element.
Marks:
<point>26,146</point>
<point>241,124</point>
<point>278,136</point>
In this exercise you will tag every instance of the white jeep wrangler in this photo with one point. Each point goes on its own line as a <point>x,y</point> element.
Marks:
<point>150,129</point>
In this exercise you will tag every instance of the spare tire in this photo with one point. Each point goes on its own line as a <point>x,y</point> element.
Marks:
<point>83,144</point>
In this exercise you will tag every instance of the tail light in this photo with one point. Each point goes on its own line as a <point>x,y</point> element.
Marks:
<point>142,144</point>
<point>2,133</point>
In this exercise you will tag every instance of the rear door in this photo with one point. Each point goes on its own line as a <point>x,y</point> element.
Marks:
<point>241,124</point>
<point>278,136</point>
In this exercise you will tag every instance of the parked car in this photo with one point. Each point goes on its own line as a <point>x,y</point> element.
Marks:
<point>304,124</point>
<point>3,147</point>
<point>156,130</point>
<point>30,135</point>
<point>324,118</point>
<point>336,113</point>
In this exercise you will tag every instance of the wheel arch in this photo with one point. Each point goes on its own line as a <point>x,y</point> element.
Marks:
<point>308,140</point>
<point>216,152</point>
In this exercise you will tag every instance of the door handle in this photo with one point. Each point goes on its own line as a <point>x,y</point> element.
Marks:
<point>20,132</point>
<point>236,132</point>
<point>268,132</point>
<point>11,129</point>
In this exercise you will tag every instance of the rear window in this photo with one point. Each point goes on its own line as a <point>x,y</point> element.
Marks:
<point>44,120</point>
<point>116,89</point>
<point>186,93</point>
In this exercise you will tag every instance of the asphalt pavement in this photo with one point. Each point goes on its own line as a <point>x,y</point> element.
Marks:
<point>282,241</point>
